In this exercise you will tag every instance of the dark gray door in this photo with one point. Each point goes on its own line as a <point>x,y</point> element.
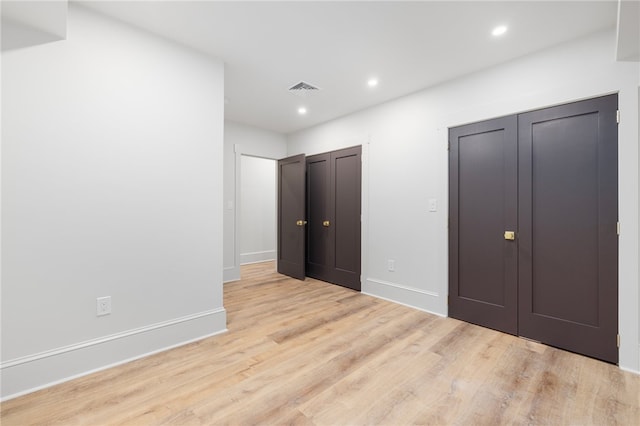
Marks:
<point>344,221</point>
<point>550,177</point>
<point>291,216</point>
<point>482,206</point>
<point>333,208</point>
<point>568,276</point>
<point>319,237</point>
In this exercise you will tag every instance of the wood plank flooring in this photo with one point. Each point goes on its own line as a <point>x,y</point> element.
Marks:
<point>312,353</point>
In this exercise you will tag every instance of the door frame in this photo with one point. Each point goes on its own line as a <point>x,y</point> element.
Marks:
<point>239,151</point>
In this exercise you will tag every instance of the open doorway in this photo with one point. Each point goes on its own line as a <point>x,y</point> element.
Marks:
<point>256,226</point>
<point>257,210</point>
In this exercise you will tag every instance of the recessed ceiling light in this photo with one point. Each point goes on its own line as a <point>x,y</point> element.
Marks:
<point>373,82</point>
<point>499,30</point>
<point>302,110</point>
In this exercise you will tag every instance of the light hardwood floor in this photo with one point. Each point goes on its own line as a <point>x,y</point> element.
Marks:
<point>318,354</point>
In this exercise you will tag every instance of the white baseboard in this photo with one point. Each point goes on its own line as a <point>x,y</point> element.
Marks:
<point>629,370</point>
<point>257,257</point>
<point>38,371</point>
<point>230,273</point>
<point>633,370</point>
<point>404,295</point>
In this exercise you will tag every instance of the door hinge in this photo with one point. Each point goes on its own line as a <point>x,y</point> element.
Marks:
<point>618,228</point>
<point>618,116</point>
<point>618,340</point>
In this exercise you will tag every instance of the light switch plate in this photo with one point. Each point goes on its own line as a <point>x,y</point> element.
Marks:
<point>433,205</point>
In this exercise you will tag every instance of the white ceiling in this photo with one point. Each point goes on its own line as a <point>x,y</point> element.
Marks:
<point>269,46</point>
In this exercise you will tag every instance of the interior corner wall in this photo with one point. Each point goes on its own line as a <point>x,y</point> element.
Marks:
<point>112,155</point>
<point>241,139</point>
<point>407,165</point>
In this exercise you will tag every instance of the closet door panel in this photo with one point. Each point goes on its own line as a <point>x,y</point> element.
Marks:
<point>319,240</point>
<point>291,216</point>
<point>568,209</point>
<point>345,221</point>
<point>482,207</point>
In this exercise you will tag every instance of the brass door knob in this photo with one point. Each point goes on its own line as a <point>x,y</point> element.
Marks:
<point>509,235</point>
<point>301,222</point>
<point>326,223</point>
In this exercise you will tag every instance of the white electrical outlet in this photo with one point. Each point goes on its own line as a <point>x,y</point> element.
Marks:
<point>433,205</point>
<point>103,306</point>
<point>391,265</point>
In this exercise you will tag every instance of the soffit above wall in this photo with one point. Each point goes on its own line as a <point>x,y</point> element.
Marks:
<point>28,23</point>
<point>628,43</point>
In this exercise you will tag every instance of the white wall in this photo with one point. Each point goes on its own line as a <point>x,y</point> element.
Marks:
<point>241,139</point>
<point>258,195</point>
<point>112,158</point>
<point>407,159</point>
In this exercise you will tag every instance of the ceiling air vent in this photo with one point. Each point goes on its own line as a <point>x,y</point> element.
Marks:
<point>303,87</point>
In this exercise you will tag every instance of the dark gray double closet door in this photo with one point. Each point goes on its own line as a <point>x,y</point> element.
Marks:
<point>319,199</point>
<point>550,178</point>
